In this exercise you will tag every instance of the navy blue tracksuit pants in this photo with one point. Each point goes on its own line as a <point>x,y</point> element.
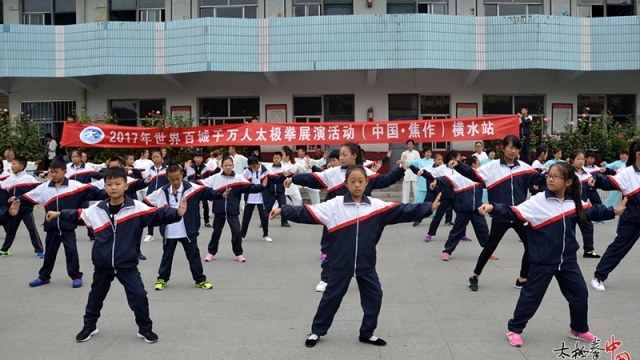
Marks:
<point>52,245</point>
<point>572,286</point>
<point>460,227</point>
<point>586,228</point>
<point>498,229</point>
<point>236,233</point>
<point>325,242</point>
<point>370,299</point>
<point>627,235</point>
<point>193,257</point>
<point>12,228</point>
<point>246,218</point>
<point>133,288</point>
<point>271,199</point>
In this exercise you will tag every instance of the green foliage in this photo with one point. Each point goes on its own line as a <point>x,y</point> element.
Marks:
<point>21,134</point>
<point>100,155</point>
<point>167,121</point>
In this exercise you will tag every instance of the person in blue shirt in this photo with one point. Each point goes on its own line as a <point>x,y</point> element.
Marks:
<point>357,222</point>
<point>614,196</point>
<point>557,157</point>
<point>552,216</point>
<point>425,162</point>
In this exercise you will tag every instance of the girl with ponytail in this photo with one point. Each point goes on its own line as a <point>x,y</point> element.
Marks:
<point>627,181</point>
<point>577,159</point>
<point>552,216</point>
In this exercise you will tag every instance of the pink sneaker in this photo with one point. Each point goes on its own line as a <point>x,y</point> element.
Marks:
<point>514,339</point>
<point>465,238</point>
<point>445,256</point>
<point>323,256</point>
<point>241,258</point>
<point>585,336</point>
<point>209,257</point>
<point>427,238</point>
<point>494,257</point>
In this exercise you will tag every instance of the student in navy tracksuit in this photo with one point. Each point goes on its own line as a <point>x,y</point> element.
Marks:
<point>185,231</point>
<point>77,170</point>
<point>552,217</point>
<point>196,171</point>
<point>133,186</point>
<point>507,181</point>
<point>627,181</point>
<point>228,209</point>
<point>256,173</point>
<point>158,180</point>
<point>586,227</point>
<point>118,223</point>
<point>274,191</point>
<point>447,199</point>
<point>541,157</point>
<point>55,195</point>
<point>356,222</point>
<point>18,184</point>
<point>468,196</point>
<point>332,180</point>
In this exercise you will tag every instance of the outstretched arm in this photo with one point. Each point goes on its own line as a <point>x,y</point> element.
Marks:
<point>401,213</point>
<point>300,214</point>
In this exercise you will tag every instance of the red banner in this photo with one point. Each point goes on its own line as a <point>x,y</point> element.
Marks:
<point>379,132</point>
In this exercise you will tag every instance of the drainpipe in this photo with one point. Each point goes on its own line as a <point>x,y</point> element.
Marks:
<point>83,91</point>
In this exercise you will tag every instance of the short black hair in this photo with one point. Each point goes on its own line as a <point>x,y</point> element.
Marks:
<point>174,168</point>
<point>279,153</point>
<point>22,161</point>
<point>48,136</point>
<point>115,158</point>
<point>115,173</point>
<point>513,140</point>
<point>334,154</point>
<point>252,160</point>
<point>471,160</point>
<point>426,148</point>
<point>155,151</point>
<point>478,142</point>
<point>58,163</point>
<point>410,141</point>
<point>590,153</point>
<point>491,151</point>
<point>128,155</point>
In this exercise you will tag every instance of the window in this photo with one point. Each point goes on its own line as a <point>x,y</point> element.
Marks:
<point>512,104</point>
<point>134,112</point>
<point>221,111</point>
<point>423,107</point>
<point>48,12</point>
<point>51,114</point>
<point>243,9</point>
<point>137,10</point>
<point>512,7</point>
<point>602,8</point>
<point>621,107</point>
<point>419,7</point>
<point>338,7</point>
<point>327,108</point>
<point>307,7</point>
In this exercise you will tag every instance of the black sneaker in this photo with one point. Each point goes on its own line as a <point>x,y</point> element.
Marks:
<point>285,225</point>
<point>311,342</point>
<point>148,336</point>
<point>416,223</point>
<point>207,225</point>
<point>591,254</point>
<point>377,342</point>
<point>520,284</point>
<point>449,223</point>
<point>86,334</point>
<point>473,283</point>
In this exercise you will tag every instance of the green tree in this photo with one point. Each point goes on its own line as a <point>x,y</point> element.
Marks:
<point>21,134</point>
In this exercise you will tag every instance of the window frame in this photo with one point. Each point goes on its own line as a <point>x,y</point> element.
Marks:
<point>435,145</point>
<point>606,106</point>
<point>605,6</point>
<point>215,11</point>
<point>48,125</point>
<point>225,120</point>
<point>139,10</point>
<point>497,3</point>
<point>140,119</point>
<point>417,3</point>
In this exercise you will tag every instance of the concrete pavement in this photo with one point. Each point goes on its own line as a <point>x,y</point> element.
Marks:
<point>262,309</point>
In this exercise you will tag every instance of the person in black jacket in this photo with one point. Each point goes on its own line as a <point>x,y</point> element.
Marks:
<point>525,132</point>
<point>357,222</point>
<point>118,223</point>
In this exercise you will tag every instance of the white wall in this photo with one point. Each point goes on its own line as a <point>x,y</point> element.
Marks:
<point>331,82</point>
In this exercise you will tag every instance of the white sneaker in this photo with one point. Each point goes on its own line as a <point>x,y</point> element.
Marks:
<point>267,239</point>
<point>321,286</point>
<point>148,238</point>
<point>597,284</point>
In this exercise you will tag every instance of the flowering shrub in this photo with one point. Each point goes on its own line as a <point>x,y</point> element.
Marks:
<point>21,134</point>
<point>166,121</point>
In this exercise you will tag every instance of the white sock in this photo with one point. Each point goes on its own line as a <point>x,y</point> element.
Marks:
<point>373,338</point>
<point>313,337</point>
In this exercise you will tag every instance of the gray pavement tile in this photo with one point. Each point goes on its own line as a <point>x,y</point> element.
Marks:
<point>473,350</point>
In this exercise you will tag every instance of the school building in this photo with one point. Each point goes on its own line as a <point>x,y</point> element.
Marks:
<point>224,61</point>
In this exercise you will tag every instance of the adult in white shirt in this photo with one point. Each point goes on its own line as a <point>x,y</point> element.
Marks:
<point>481,155</point>
<point>9,156</point>
<point>410,181</point>
<point>52,146</point>
<point>143,163</point>
<point>214,160</point>
<point>290,164</point>
<point>306,164</point>
<point>239,164</point>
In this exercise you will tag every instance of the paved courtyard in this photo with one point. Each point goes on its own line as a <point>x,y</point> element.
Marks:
<point>262,309</point>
